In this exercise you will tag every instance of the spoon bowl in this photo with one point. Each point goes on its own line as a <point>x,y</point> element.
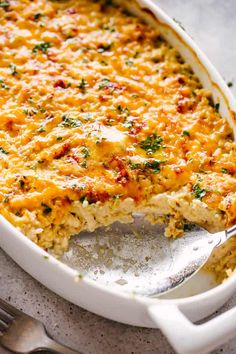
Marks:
<point>138,258</point>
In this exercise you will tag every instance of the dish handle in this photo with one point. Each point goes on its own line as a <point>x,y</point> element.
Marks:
<point>189,338</point>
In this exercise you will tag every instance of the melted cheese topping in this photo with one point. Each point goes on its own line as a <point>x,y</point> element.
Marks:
<point>97,107</point>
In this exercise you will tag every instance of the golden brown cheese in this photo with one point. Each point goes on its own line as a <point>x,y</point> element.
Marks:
<point>99,111</point>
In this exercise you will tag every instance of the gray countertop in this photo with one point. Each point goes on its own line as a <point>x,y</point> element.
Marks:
<point>212,24</point>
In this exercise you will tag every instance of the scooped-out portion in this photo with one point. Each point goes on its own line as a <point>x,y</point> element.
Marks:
<point>101,118</point>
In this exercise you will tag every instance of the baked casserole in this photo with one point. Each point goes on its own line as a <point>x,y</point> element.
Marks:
<point>101,118</point>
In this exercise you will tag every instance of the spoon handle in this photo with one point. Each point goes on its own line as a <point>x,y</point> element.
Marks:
<point>231,232</point>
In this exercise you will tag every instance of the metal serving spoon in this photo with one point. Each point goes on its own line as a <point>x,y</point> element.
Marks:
<point>138,257</point>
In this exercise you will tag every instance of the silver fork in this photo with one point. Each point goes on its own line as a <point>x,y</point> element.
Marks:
<point>24,334</point>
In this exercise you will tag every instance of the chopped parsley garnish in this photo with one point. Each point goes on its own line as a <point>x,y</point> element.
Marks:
<point>82,85</point>
<point>4,4</point>
<point>3,151</point>
<point>6,199</point>
<point>41,130</point>
<point>199,192</point>
<point>104,83</point>
<point>42,47</point>
<point>128,123</point>
<point>84,164</point>
<point>185,133</point>
<point>224,170</point>
<point>59,138</point>
<point>188,227</point>
<point>108,28</point>
<point>129,62</point>
<point>22,183</point>
<point>38,16</point>
<point>70,122</point>
<point>46,208</point>
<point>151,144</point>
<point>86,152</point>
<point>123,110</point>
<point>153,165</point>
<point>230,84</point>
<point>42,109</point>
<point>3,85</point>
<point>13,69</point>
<point>104,47</point>
<point>82,199</point>
<point>217,106</point>
<point>134,166</point>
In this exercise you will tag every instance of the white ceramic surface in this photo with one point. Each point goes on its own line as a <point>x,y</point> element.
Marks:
<point>168,315</point>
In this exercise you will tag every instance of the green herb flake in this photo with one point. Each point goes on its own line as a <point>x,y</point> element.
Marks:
<point>104,83</point>
<point>70,122</point>
<point>42,47</point>
<point>123,110</point>
<point>22,183</point>
<point>104,47</point>
<point>13,69</point>
<point>37,16</point>
<point>3,151</point>
<point>41,130</point>
<point>129,63</point>
<point>217,107</point>
<point>134,166</point>
<point>3,85</point>
<point>59,138</point>
<point>46,208</point>
<point>84,164</point>
<point>82,85</point>
<point>151,144</point>
<point>185,133</point>
<point>188,227</point>
<point>128,123</point>
<point>153,165</point>
<point>42,109</point>
<point>109,28</point>
<point>230,84</point>
<point>86,152</point>
<point>199,192</point>
<point>6,199</point>
<point>82,198</point>
<point>224,170</point>
<point>4,4</point>
<point>46,257</point>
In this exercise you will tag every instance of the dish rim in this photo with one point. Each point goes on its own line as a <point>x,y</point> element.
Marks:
<point>229,99</point>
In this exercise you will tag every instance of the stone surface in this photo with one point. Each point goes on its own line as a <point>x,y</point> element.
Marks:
<point>212,25</point>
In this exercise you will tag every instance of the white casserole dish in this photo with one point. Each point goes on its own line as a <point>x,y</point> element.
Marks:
<point>173,317</point>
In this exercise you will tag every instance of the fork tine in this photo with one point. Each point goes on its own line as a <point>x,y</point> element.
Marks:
<point>5,317</point>
<point>3,326</point>
<point>9,309</point>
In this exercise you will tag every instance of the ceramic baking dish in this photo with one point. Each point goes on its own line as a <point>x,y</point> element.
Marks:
<point>174,317</point>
